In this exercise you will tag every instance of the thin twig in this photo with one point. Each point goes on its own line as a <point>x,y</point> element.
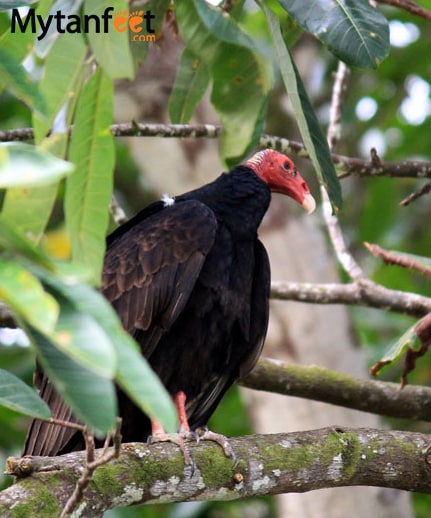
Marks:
<point>426,189</point>
<point>399,259</point>
<point>409,6</point>
<point>92,463</point>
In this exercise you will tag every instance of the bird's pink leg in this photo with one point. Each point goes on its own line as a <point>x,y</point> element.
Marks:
<point>180,403</point>
<point>185,434</point>
<point>158,434</point>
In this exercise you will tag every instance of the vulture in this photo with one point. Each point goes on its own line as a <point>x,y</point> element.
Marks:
<point>190,281</point>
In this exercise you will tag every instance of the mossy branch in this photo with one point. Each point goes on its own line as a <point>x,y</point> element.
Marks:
<point>267,464</point>
<point>336,388</point>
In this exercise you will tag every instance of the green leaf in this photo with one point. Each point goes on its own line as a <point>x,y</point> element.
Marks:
<point>18,396</point>
<point>239,95</point>
<point>353,30</point>
<point>91,397</point>
<point>111,48</point>
<point>190,85</point>
<point>60,80</point>
<point>134,375</point>
<point>10,4</point>
<point>80,332</point>
<point>13,242</point>
<point>24,165</point>
<point>89,189</point>
<point>24,293</point>
<point>14,77</point>
<point>241,80</point>
<point>314,140</point>
<point>158,9</point>
<point>29,209</point>
<point>43,46</point>
<point>222,26</point>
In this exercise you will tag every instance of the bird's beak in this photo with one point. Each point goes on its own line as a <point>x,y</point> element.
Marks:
<point>309,203</point>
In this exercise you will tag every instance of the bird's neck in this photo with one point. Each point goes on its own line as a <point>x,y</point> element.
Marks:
<point>239,198</point>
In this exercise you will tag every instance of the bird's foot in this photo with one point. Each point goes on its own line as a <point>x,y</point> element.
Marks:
<point>204,434</point>
<point>180,439</point>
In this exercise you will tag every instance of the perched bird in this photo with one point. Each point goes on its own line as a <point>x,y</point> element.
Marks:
<point>190,281</point>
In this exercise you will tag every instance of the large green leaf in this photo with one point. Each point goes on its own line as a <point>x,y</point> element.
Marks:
<point>91,397</point>
<point>111,48</point>
<point>59,83</point>
<point>133,374</point>
<point>241,77</point>
<point>12,241</point>
<point>14,77</point>
<point>80,332</point>
<point>313,137</point>
<point>18,396</point>
<point>353,30</point>
<point>24,293</point>
<point>43,44</point>
<point>89,189</point>
<point>30,166</point>
<point>221,26</point>
<point>29,209</point>
<point>190,85</point>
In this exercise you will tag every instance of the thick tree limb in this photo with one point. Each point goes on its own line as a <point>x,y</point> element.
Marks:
<point>345,165</point>
<point>267,465</point>
<point>320,384</point>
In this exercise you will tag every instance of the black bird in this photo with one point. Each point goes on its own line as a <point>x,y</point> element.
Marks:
<point>190,282</point>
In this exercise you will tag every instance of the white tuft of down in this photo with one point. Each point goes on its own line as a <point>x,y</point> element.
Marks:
<point>167,200</point>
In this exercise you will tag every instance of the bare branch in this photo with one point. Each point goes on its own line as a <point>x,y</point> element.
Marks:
<point>360,293</point>
<point>320,384</point>
<point>345,258</point>
<point>399,259</point>
<point>409,6</point>
<point>338,90</point>
<point>426,189</point>
<point>345,165</point>
<point>267,465</point>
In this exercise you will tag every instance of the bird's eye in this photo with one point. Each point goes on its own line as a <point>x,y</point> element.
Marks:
<point>286,165</point>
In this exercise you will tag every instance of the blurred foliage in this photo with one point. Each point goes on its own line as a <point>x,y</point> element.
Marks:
<point>371,211</point>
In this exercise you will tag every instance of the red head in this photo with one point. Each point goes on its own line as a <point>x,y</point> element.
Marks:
<point>279,172</point>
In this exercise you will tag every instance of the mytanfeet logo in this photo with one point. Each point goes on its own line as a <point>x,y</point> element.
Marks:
<point>139,23</point>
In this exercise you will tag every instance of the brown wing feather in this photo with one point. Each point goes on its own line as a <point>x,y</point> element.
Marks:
<point>44,438</point>
<point>150,271</point>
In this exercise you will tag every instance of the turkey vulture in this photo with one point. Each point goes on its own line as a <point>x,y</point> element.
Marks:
<point>190,282</point>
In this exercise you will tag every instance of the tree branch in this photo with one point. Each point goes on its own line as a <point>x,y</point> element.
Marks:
<point>409,6</point>
<point>336,388</point>
<point>363,292</point>
<point>360,293</point>
<point>267,465</point>
<point>346,166</point>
